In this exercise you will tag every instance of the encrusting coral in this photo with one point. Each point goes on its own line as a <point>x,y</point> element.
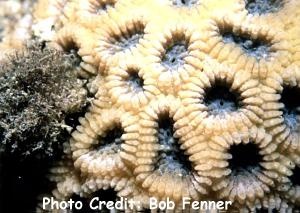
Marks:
<point>191,98</point>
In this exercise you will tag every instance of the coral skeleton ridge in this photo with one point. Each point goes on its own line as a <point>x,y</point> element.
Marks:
<point>189,98</point>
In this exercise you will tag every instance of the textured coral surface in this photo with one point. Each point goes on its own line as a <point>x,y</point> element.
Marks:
<point>191,98</point>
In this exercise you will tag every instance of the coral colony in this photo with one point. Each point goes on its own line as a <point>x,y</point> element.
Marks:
<point>149,105</point>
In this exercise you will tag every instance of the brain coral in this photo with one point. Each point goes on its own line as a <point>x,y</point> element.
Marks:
<point>193,98</point>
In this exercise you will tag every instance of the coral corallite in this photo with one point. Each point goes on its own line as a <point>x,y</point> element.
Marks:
<point>191,98</point>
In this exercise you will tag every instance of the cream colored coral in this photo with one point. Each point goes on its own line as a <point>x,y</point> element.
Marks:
<point>209,118</point>
<point>159,179</point>
<point>219,42</point>
<point>280,118</point>
<point>246,184</point>
<point>153,65</point>
<point>129,86</point>
<point>105,160</point>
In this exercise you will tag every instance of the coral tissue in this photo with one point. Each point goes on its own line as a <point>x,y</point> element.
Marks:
<point>189,99</point>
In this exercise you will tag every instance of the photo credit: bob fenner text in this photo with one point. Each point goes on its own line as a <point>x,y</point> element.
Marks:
<point>95,203</point>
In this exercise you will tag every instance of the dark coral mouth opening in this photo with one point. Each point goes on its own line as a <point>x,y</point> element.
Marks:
<point>245,157</point>
<point>170,157</point>
<point>128,40</point>
<point>263,6</point>
<point>290,97</point>
<point>175,54</point>
<point>295,178</point>
<point>258,48</point>
<point>185,3</point>
<point>72,50</point>
<point>220,100</point>
<point>102,7</point>
<point>135,82</point>
<point>111,141</point>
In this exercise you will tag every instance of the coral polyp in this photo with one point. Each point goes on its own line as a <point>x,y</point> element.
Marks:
<point>195,99</point>
<point>175,52</point>
<point>251,162</point>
